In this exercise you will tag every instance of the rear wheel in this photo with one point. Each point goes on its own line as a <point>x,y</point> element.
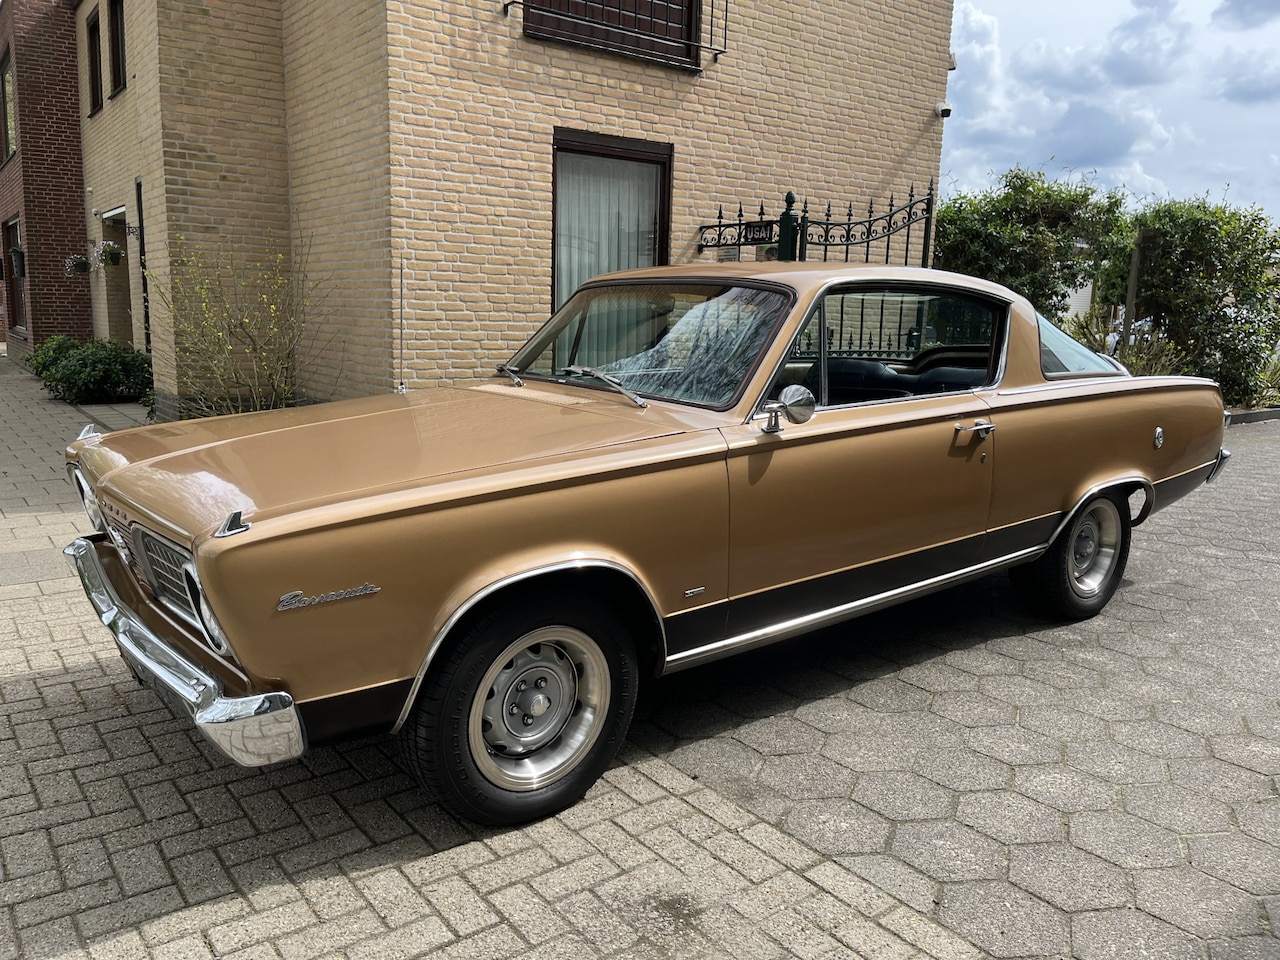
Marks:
<point>526,711</point>
<point>1082,568</point>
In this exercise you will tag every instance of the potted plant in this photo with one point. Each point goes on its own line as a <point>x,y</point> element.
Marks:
<point>19,259</point>
<point>76,263</point>
<point>107,253</point>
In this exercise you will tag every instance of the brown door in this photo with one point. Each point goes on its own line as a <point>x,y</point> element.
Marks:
<point>889,484</point>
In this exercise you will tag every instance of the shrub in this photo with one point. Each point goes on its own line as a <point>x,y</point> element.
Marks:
<point>1269,392</point>
<point>249,330</point>
<point>1147,356</point>
<point>100,371</point>
<point>47,356</point>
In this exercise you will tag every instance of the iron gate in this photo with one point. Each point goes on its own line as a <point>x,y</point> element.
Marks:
<point>799,237</point>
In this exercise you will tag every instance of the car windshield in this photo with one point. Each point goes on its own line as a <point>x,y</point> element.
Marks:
<point>690,342</point>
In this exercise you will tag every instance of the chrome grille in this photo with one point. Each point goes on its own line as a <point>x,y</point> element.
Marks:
<point>122,534</point>
<point>163,563</point>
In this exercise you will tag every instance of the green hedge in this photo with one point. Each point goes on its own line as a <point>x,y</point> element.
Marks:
<point>99,371</point>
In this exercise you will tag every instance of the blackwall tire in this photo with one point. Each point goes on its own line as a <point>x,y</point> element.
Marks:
<point>1081,570</point>
<point>526,712</point>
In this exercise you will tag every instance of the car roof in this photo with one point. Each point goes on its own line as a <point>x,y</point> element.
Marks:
<point>806,277</point>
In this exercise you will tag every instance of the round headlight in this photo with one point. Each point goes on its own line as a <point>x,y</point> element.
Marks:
<point>212,629</point>
<point>90,502</point>
<point>216,636</point>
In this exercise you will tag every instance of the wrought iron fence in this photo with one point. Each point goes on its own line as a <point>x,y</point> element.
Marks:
<point>798,237</point>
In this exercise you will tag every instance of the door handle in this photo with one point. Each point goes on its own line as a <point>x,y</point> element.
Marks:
<point>983,428</point>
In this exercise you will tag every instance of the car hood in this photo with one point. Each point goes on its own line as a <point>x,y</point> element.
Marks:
<point>191,474</point>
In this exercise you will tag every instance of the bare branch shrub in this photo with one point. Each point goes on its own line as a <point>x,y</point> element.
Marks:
<point>248,333</point>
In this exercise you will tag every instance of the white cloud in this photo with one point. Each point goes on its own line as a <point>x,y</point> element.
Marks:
<point>1147,95</point>
<point>1147,48</point>
<point>1246,14</point>
<point>1247,79</point>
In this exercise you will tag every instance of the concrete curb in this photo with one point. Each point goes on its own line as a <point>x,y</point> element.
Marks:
<point>1255,416</point>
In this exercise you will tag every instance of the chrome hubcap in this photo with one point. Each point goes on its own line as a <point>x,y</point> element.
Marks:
<point>539,708</point>
<point>1094,544</point>
<point>530,700</point>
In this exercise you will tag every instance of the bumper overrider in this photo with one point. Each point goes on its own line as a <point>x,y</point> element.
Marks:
<point>1223,456</point>
<point>252,731</point>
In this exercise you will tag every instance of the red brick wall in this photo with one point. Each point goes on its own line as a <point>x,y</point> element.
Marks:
<point>42,184</point>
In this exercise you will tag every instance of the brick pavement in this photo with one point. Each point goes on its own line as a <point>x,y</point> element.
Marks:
<point>950,779</point>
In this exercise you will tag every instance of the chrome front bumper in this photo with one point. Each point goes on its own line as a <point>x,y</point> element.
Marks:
<point>252,731</point>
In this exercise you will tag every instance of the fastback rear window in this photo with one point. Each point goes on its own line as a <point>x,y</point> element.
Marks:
<point>1061,355</point>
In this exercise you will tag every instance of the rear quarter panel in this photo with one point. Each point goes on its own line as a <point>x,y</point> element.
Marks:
<point>1056,441</point>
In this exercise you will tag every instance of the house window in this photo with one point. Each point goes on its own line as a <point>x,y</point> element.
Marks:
<point>612,207</point>
<point>115,11</point>
<point>9,126</point>
<point>15,286</point>
<point>93,41</point>
<point>662,30</point>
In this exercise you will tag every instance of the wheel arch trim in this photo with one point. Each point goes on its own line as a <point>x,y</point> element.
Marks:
<point>1136,481</point>
<point>514,579</point>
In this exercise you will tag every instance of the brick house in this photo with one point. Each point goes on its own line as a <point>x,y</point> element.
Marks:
<point>482,157</point>
<point>41,212</point>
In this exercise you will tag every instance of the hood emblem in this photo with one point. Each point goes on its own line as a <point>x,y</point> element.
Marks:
<point>297,599</point>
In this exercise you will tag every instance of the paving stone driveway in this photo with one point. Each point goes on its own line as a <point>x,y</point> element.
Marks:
<point>950,779</point>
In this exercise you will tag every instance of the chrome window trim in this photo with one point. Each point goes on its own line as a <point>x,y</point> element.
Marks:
<point>467,606</point>
<point>757,412</point>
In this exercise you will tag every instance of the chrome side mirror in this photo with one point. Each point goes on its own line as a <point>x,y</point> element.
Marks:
<point>796,403</point>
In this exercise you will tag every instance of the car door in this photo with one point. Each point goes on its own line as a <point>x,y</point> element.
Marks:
<point>889,484</point>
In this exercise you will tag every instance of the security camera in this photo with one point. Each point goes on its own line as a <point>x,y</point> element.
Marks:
<point>942,109</point>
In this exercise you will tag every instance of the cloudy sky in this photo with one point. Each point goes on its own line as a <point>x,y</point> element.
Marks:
<point>1163,97</point>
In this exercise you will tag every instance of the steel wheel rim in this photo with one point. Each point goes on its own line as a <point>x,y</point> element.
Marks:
<point>539,708</point>
<point>1095,544</point>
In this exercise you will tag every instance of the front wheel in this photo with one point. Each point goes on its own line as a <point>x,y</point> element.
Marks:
<point>1081,570</point>
<point>526,712</point>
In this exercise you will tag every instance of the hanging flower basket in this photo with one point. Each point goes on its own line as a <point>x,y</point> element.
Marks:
<point>76,263</point>
<point>107,254</point>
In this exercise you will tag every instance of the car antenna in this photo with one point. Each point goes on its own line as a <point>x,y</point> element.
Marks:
<point>400,308</point>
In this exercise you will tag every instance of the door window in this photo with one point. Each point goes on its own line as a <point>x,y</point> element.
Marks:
<point>864,345</point>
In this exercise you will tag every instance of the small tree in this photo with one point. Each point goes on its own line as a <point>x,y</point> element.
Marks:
<point>1041,238</point>
<point>1209,280</point>
<point>246,331</point>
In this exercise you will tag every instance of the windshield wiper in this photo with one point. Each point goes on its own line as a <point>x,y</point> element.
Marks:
<point>511,372</point>
<point>603,377</point>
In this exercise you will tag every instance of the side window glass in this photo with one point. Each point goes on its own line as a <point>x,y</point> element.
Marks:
<point>1062,355</point>
<point>865,345</point>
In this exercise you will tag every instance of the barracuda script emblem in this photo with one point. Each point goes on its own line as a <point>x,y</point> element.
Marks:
<point>297,599</point>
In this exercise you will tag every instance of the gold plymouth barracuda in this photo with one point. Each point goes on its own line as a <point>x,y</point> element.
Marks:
<point>683,463</point>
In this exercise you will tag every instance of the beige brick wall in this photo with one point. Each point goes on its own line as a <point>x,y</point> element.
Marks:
<point>120,144</point>
<point>414,139</point>
<point>340,189</point>
<point>201,122</point>
<point>832,100</point>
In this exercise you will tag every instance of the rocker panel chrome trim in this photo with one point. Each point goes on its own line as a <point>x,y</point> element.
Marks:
<point>845,611</point>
